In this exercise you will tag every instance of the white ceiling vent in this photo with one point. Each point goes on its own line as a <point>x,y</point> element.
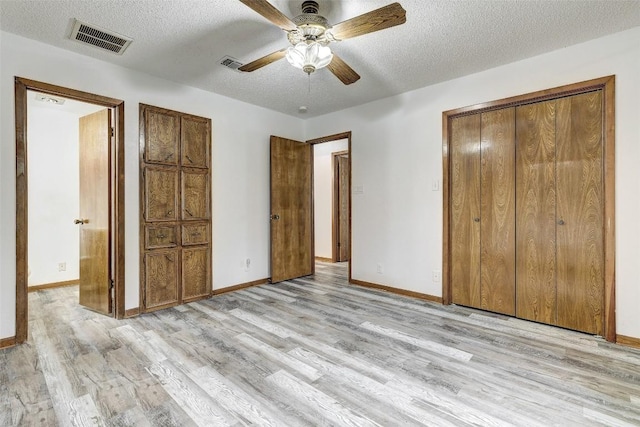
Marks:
<point>231,62</point>
<point>99,37</point>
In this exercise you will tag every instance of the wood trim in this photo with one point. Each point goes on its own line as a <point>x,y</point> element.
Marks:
<point>132,312</point>
<point>398,291</point>
<point>36,288</point>
<point>8,342</point>
<point>240,286</point>
<point>335,137</point>
<point>628,341</point>
<point>329,138</point>
<point>609,209</point>
<point>607,85</point>
<point>21,86</point>
<point>22,213</point>
<point>323,259</point>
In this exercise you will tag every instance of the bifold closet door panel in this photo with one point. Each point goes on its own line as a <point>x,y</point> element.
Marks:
<point>580,253</point>
<point>536,212</point>
<point>497,212</point>
<point>465,210</point>
<point>162,136</point>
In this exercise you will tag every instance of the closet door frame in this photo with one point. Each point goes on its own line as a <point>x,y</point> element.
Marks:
<point>607,86</point>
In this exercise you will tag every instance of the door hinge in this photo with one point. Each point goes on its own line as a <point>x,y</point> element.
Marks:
<point>113,132</point>
<point>112,284</point>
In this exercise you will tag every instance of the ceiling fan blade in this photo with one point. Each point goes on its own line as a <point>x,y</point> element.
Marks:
<point>266,9</point>
<point>265,60</point>
<point>342,71</point>
<point>376,20</point>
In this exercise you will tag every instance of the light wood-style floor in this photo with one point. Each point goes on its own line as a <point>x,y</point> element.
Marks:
<point>312,351</point>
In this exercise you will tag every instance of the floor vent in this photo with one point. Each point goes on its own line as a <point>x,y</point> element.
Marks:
<point>99,37</point>
<point>231,62</point>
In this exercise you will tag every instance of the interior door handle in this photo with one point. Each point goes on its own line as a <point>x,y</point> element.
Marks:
<point>275,217</point>
<point>81,221</point>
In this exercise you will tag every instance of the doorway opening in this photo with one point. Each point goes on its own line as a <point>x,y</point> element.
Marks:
<point>92,165</point>
<point>332,198</point>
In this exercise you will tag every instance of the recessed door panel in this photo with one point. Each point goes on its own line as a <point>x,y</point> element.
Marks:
<point>195,194</point>
<point>195,142</point>
<point>161,278</point>
<point>162,134</point>
<point>161,194</point>
<point>196,267</point>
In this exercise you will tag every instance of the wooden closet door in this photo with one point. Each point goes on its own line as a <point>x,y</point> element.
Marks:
<point>497,211</point>
<point>580,254</point>
<point>465,210</point>
<point>536,212</point>
<point>196,195</point>
<point>195,145</point>
<point>160,194</point>
<point>162,136</point>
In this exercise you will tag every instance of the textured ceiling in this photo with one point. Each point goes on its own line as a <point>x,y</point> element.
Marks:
<point>184,41</point>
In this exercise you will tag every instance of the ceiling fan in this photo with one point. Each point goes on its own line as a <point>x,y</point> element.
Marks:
<point>310,34</point>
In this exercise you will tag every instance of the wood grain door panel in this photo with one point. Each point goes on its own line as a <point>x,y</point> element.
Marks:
<point>161,194</point>
<point>536,212</point>
<point>497,211</point>
<point>161,236</point>
<point>195,194</point>
<point>161,278</point>
<point>343,208</point>
<point>291,209</point>
<point>194,142</point>
<point>196,273</point>
<point>465,210</point>
<point>162,136</point>
<point>580,221</point>
<point>94,147</point>
<point>195,234</point>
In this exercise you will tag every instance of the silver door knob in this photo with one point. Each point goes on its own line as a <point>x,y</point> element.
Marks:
<point>81,221</point>
<point>561,222</point>
<point>275,217</point>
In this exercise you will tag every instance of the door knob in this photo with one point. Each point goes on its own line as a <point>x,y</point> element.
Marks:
<point>476,219</point>
<point>275,217</point>
<point>81,221</point>
<point>561,222</point>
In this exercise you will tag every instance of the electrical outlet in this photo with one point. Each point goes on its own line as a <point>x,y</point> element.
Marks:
<point>62,266</point>
<point>379,268</point>
<point>436,276</point>
<point>247,264</point>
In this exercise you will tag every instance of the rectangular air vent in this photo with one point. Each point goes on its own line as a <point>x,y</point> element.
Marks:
<point>99,37</point>
<point>231,62</point>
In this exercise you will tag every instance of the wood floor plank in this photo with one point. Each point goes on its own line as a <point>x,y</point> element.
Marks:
<point>306,352</point>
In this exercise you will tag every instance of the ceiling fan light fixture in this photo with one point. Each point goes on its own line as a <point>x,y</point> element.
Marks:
<point>309,56</point>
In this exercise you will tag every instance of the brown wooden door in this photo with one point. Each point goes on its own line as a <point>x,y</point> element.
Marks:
<point>161,269</point>
<point>196,273</point>
<point>160,194</point>
<point>292,252</point>
<point>536,212</point>
<point>194,142</point>
<point>342,207</point>
<point>465,210</point>
<point>579,221</point>
<point>95,278</point>
<point>497,211</point>
<point>162,136</point>
<point>195,194</point>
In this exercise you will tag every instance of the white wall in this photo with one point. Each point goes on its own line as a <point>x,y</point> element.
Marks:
<point>396,153</point>
<point>53,193</point>
<point>323,194</point>
<point>240,166</point>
